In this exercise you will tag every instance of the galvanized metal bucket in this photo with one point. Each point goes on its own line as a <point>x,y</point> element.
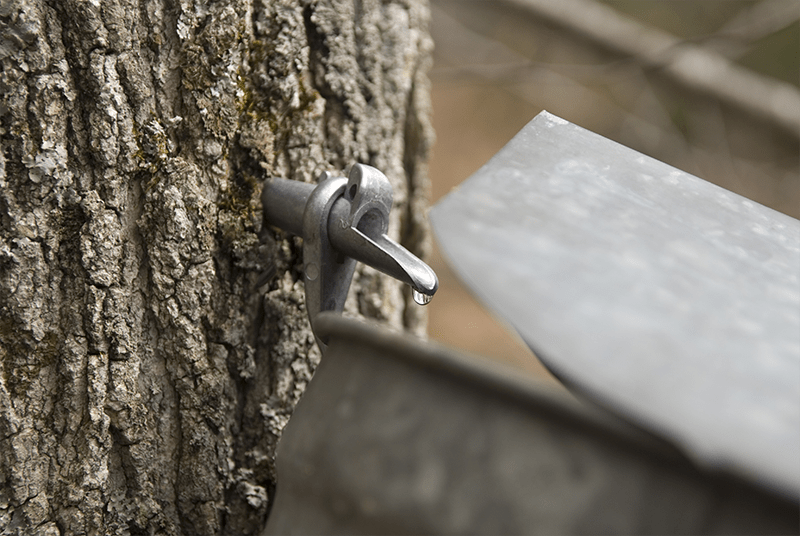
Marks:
<point>397,435</point>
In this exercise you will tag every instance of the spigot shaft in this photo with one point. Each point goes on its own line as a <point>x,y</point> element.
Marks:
<point>284,202</point>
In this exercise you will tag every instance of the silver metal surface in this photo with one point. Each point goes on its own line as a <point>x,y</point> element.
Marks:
<point>398,436</point>
<point>327,274</point>
<point>670,300</point>
<point>358,225</point>
<point>379,251</point>
<point>341,221</point>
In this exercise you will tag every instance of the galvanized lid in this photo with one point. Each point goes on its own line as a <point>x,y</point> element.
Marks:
<point>672,301</point>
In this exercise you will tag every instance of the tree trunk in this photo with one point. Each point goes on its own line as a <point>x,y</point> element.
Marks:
<point>153,337</point>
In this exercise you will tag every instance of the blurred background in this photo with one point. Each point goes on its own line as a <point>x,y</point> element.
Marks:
<point>710,87</point>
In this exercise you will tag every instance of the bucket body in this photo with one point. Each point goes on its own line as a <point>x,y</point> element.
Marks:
<point>399,436</point>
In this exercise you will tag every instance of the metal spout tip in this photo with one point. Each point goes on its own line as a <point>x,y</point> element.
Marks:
<point>424,280</point>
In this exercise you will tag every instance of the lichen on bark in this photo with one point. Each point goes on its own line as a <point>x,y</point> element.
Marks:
<point>153,338</point>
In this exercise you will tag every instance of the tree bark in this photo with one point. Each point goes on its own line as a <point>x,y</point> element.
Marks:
<point>153,337</point>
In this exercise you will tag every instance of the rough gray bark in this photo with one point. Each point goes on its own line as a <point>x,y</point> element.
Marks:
<point>153,339</point>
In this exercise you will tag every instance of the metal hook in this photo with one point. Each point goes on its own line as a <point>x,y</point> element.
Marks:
<point>342,221</point>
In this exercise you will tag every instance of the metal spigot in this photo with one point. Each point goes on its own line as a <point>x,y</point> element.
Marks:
<point>341,221</point>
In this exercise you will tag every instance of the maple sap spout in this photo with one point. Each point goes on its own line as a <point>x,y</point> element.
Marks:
<point>342,220</point>
<point>382,253</point>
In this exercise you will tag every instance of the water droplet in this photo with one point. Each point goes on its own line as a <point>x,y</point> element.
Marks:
<point>420,298</point>
<point>312,271</point>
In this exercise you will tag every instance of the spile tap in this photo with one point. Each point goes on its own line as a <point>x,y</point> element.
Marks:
<point>342,221</point>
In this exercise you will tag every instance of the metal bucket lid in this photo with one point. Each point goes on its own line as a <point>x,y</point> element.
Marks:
<point>669,300</point>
